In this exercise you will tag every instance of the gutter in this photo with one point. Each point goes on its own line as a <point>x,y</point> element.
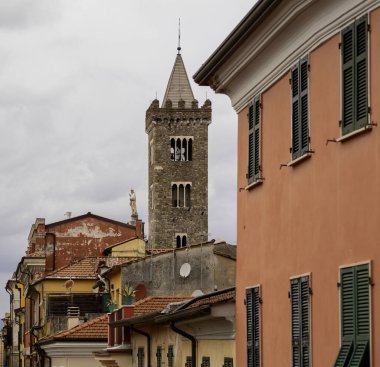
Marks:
<point>240,33</point>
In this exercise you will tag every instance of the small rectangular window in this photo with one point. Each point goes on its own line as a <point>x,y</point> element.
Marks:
<point>253,304</point>
<point>228,362</point>
<point>170,356</point>
<point>300,321</point>
<point>300,108</point>
<point>189,361</point>
<point>354,59</point>
<point>140,357</point>
<point>254,141</point>
<point>205,362</point>
<point>159,356</point>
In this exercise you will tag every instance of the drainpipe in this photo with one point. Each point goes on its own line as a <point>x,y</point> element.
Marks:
<point>193,343</point>
<point>148,340</point>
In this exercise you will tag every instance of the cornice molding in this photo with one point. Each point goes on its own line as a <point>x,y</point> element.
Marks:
<point>268,54</point>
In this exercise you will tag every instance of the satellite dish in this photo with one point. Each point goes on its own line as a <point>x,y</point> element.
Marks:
<point>184,271</point>
<point>69,284</point>
<point>197,293</point>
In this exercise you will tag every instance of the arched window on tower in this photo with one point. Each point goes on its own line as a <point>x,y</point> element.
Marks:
<point>187,195</point>
<point>181,148</point>
<point>174,196</point>
<point>181,201</point>
<point>178,150</point>
<point>172,148</point>
<point>190,150</point>
<point>178,241</point>
<point>184,240</point>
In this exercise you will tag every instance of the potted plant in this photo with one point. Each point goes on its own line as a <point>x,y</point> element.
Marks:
<point>128,294</point>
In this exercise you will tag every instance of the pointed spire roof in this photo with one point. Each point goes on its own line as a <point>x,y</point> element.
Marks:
<point>179,86</point>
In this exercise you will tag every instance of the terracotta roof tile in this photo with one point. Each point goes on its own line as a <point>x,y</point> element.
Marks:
<point>154,304</point>
<point>94,329</point>
<point>85,268</point>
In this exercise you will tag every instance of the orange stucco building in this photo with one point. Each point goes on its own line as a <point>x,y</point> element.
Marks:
<point>304,77</point>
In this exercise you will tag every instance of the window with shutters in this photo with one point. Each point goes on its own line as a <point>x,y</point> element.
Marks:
<point>300,320</point>
<point>205,362</point>
<point>253,304</point>
<point>170,356</point>
<point>300,108</point>
<point>228,362</point>
<point>355,317</point>
<point>159,356</point>
<point>189,361</point>
<point>140,357</point>
<point>254,141</point>
<point>354,58</point>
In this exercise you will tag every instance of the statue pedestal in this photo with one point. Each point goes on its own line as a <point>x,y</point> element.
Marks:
<point>134,218</point>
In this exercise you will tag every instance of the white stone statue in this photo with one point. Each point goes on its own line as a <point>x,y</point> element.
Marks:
<point>132,203</point>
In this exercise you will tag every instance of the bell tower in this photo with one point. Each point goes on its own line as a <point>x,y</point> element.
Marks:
<point>178,164</point>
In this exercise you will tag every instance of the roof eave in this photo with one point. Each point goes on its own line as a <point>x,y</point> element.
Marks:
<point>235,39</point>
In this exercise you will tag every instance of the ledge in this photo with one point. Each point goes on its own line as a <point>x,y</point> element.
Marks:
<point>299,159</point>
<point>366,128</point>
<point>258,182</point>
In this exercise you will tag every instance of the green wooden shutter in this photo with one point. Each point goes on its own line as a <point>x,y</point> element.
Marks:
<point>355,76</point>
<point>256,326</point>
<point>304,106</point>
<point>254,140</point>
<point>253,327</point>
<point>249,306</point>
<point>295,113</point>
<point>300,321</point>
<point>355,323</point>
<point>305,321</point>
<point>361,72</point>
<point>348,83</point>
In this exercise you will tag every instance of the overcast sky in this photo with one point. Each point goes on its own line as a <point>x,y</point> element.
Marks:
<point>76,77</point>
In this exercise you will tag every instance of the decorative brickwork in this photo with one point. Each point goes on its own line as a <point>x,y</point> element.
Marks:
<point>178,172</point>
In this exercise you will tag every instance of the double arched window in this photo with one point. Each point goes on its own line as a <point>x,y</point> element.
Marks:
<point>181,240</point>
<point>181,195</point>
<point>181,148</point>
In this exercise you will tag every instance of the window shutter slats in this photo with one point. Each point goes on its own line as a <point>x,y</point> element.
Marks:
<point>253,326</point>
<point>254,140</point>
<point>249,304</point>
<point>304,113</point>
<point>362,305</point>
<point>361,33</point>
<point>344,354</point>
<point>295,112</point>
<point>300,321</point>
<point>348,104</point>
<point>360,354</point>
<point>295,322</point>
<point>347,304</point>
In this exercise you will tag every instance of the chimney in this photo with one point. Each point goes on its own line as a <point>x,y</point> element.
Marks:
<point>68,215</point>
<point>72,317</point>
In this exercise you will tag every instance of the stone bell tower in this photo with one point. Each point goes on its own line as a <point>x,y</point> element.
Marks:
<point>178,164</point>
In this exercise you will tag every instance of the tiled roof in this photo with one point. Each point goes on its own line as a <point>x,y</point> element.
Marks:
<point>85,268</point>
<point>154,304</point>
<point>94,329</point>
<point>212,298</point>
<point>178,86</point>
